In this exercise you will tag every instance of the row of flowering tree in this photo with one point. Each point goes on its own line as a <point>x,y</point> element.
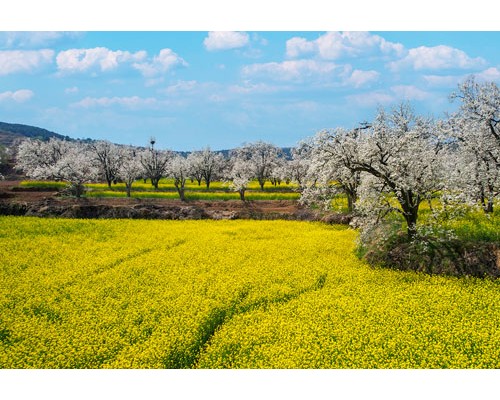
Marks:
<point>79,163</point>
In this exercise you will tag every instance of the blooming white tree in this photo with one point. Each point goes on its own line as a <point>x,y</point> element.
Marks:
<point>195,160</point>
<point>130,168</point>
<point>239,173</point>
<point>155,163</point>
<point>261,158</point>
<point>4,155</point>
<point>297,168</point>
<point>476,130</point>
<point>75,167</point>
<point>58,160</point>
<point>278,172</point>
<point>212,166</point>
<point>179,170</point>
<point>108,157</point>
<point>402,155</point>
<point>206,165</point>
<point>35,154</point>
<point>333,167</point>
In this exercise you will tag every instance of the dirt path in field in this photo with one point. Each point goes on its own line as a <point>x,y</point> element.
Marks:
<point>18,201</point>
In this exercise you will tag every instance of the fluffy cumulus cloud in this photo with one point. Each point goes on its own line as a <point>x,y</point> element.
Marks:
<point>22,61</point>
<point>359,78</point>
<point>290,70</point>
<point>163,62</point>
<point>225,40</point>
<point>392,95</point>
<point>490,74</point>
<point>19,96</point>
<point>371,99</point>
<point>181,86</point>
<point>437,57</point>
<point>442,80</point>
<point>127,102</point>
<point>100,58</point>
<point>334,45</point>
<point>71,90</point>
<point>248,88</point>
<point>409,92</point>
<point>35,39</point>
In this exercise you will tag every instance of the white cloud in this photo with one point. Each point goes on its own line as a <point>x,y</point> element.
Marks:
<point>290,70</point>
<point>71,90</point>
<point>16,61</point>
<point>409,92</point>
<point>371,99</point>
<point>101,58</point>
<point>249,87</point>
<point>333,45</point>
<point>382,97</point>
<point>181,86</point>
<point>225,40</point>
<point>128,102</point>
<point>154,81</point>
<point>161,63</point>
<point>297,46</point>
<point>360,78</point>
<point>35,39</point>
<point>216,98</point>
<point>490,74</point>
<point>442,80</point>
<point>19,96</point>
<point>437,57</point>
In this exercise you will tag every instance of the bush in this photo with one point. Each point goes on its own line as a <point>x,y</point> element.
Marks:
<point>432,251</point>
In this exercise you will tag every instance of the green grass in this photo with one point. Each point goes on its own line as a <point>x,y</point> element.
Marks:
<point>476,226</point>
<point>166,190</point>
<point>208,196</point>
<point>49,185</point>
<point>168,185</point>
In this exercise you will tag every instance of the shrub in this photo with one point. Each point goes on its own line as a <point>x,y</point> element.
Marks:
<point>433,251</point>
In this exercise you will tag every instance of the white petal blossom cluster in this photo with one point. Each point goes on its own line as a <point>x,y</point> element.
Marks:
<point>58,160</point>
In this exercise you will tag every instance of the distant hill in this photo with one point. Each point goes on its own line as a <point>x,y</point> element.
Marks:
<point>11,133</point>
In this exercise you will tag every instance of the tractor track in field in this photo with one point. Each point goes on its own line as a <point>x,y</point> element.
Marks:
<point>221,316</point>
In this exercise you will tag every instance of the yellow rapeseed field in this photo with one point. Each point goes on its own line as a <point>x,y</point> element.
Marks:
<point>227,294</point>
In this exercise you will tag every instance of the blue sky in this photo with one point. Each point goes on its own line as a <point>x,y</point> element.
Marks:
<point>191,89</point>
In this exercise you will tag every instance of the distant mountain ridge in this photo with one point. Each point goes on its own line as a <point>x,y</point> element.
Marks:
<point>10,133</point>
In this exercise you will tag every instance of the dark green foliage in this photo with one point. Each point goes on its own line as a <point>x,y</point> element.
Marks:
<point>433,252</point>
<point>10,132</point>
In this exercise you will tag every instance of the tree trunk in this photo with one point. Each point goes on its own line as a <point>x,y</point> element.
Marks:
<point>128,186</point>
<point>261,183</point>
<point>488,206</point>
<point>208,184</point>
<point>155,182</point>
<point>79,188</point>
<point>181,194</point>
<point>242,194</point>
<point>351,199</point>
<point>411,216</point>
